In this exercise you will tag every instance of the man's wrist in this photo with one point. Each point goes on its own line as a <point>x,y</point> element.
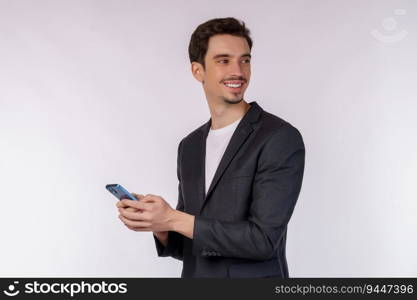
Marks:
<point>182,223</point>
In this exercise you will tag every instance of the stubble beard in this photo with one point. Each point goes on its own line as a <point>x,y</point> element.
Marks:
<point>229,101</point>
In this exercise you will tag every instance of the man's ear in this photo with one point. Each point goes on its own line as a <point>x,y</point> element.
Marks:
<point>198,71</point>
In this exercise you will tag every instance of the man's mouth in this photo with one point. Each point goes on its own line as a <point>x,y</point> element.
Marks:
<point>233,84</point>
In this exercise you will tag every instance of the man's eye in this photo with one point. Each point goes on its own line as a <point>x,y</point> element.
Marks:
<point>225,61</point>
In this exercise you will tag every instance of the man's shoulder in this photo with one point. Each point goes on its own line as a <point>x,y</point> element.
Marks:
<point>271,126</point>
<point>271,121</point>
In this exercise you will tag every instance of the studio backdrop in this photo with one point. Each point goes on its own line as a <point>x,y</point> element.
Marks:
<point>99,92</point>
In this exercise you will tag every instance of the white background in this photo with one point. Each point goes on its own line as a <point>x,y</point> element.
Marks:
<point>98,92</point>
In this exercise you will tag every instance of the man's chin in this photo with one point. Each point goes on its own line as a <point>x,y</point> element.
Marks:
<point>232,101</point>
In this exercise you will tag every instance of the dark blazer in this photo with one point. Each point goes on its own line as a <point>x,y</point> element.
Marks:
<point>240,226</point>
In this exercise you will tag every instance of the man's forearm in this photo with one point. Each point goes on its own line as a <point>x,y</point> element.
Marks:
<point>182,223</point>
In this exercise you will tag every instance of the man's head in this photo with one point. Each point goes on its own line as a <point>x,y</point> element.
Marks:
<point>219,53</point>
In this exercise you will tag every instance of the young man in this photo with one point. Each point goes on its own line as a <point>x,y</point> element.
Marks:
<point>239,174</point>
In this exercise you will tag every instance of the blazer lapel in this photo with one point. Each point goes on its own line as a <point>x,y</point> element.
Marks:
<point>240,135</point>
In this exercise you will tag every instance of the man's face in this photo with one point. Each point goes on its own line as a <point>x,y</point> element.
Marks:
<point>227,69</point>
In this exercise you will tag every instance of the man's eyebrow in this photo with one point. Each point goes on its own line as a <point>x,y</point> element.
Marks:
<point>227,55</point>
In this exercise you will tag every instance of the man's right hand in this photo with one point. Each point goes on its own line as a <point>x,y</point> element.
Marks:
<point>162,236</point>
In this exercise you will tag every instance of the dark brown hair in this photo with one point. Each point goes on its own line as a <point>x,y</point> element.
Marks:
<point>197,48</point>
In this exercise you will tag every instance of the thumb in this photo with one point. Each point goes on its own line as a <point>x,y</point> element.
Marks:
<point>138,196</point>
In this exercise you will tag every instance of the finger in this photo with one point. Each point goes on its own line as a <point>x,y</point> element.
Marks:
<point>138,228</point>
<point>134,224</point>
<point>128,208</point>
<point>140,205</point>
<point>150,198</point>
<point>122,204</point>
<point>129,203</point>
<point>134,216</point>
<point>131,209</point>
<point>138,196</point>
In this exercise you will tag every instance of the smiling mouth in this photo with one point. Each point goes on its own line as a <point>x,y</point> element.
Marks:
<point>233,85</point>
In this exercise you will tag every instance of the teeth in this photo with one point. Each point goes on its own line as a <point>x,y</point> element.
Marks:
<point>234,85</point>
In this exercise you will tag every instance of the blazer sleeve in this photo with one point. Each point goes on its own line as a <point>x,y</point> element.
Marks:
<point>276,187</point>
<point>174,246</point>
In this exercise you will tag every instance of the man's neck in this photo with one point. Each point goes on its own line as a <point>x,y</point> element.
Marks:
<point>225,114</point>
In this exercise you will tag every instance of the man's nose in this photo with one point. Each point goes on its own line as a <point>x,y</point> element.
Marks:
<point>236,69</point>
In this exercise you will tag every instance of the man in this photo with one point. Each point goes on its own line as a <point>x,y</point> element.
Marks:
<point>239,174</point>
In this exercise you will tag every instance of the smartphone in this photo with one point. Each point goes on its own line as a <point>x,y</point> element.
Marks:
<point>120,192</point>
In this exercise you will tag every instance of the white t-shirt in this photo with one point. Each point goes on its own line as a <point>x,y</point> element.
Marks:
<point>216,143</point>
